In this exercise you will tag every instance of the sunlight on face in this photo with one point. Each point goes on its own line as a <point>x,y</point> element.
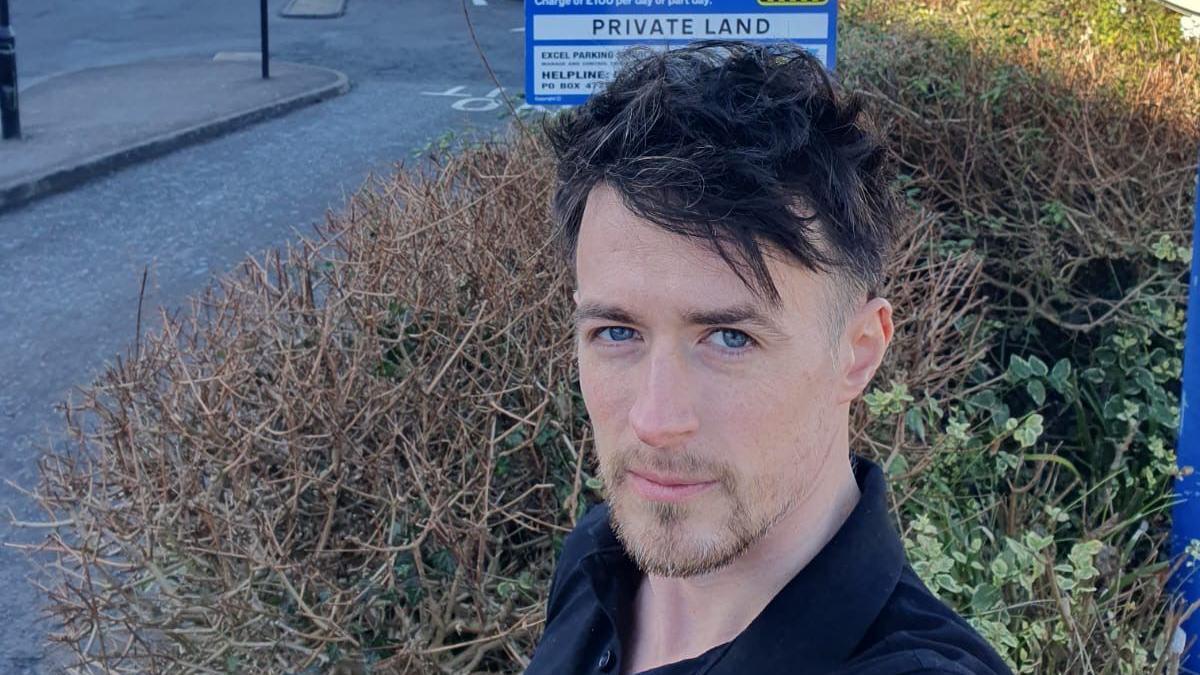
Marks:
<point>688,376</point>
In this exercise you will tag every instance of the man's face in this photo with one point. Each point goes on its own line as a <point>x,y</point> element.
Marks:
<point>743,407</point>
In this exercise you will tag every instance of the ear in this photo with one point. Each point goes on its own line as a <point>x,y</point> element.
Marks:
<point>576,296</point>
<point>867,336</point>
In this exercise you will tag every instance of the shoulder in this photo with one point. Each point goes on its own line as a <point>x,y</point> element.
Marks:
<point>918,633</point>
<point>584,537</point>
<point>578,543</point>
<point>916,662</point>
<point>575,625</point>
<point>913,662</point>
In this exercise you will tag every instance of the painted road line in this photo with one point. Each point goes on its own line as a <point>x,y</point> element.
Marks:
<point>464,101</point>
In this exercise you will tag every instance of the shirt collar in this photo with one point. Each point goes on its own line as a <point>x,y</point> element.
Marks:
<point>820,615</point>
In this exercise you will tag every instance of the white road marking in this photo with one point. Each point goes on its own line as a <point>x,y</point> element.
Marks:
<point>452,91</point>
<point>467,103</point>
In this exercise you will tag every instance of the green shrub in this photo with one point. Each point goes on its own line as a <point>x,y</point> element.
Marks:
<point>1039,505</point>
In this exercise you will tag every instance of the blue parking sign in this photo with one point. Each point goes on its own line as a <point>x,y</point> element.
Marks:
<point>572,46</point>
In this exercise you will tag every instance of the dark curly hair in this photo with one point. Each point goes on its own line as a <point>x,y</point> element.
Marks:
<point>740,145</point>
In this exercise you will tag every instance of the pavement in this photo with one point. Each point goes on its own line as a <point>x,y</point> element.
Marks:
<point>88,123</point>
<point>314,9</point>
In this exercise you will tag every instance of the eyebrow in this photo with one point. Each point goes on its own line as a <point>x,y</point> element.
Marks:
<point>749,315</point>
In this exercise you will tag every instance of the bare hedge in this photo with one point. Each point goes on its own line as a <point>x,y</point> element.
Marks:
<point>364,448</point>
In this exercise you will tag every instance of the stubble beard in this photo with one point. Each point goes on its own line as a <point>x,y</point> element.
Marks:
<point>661,537</point>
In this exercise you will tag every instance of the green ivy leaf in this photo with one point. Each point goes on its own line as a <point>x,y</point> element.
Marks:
<point>1105,356</point>
<point>1163,415</point>
<point>947,582</point>
<point>985,597</point>
<point>1061,371</point>
<point>914,421</point>
<point>999,568</point>
<point>1113,407</point>
<point>986,399</point>
<point>413,592</point>
<point>443,561</point>
<point>1023,437</point>
<point>1030,431</point>
<point>545,436</point>
<point>1001,415</point>
<point>525,581</point>
<point>1018,368</point>
<point>1144,379</point>
<point>1036,391</point>
<point>1037,541</point>
<point>1038,366</point>
<point>514,439</point>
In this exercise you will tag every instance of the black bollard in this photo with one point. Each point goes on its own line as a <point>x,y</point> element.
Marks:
<point>10,112</point>
<point>266,55</point>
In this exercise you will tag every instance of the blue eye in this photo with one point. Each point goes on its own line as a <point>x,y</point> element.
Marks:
<point>617,330</point>
<point>740,340</point>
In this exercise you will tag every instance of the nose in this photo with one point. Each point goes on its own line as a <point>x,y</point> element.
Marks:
<point>663,414</point>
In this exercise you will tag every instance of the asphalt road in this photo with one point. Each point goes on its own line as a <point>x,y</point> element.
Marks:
<point>71,264</point>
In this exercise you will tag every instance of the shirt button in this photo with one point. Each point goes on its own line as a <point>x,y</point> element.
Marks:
<point>605,660</point>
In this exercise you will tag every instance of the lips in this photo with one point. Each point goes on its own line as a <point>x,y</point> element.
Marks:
<point>667,480</point>
<point>650,487</point>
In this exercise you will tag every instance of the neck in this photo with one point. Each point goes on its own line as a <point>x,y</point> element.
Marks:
<point>674,618</point>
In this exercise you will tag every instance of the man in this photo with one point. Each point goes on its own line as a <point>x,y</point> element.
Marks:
<point>727,215</point>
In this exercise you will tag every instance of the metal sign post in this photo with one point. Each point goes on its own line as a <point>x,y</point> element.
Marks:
<point>1185,518</point>
<point>572,46</point>
<point>10,111</point>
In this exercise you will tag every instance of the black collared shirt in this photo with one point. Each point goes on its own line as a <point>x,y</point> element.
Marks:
<point>856,609</point>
